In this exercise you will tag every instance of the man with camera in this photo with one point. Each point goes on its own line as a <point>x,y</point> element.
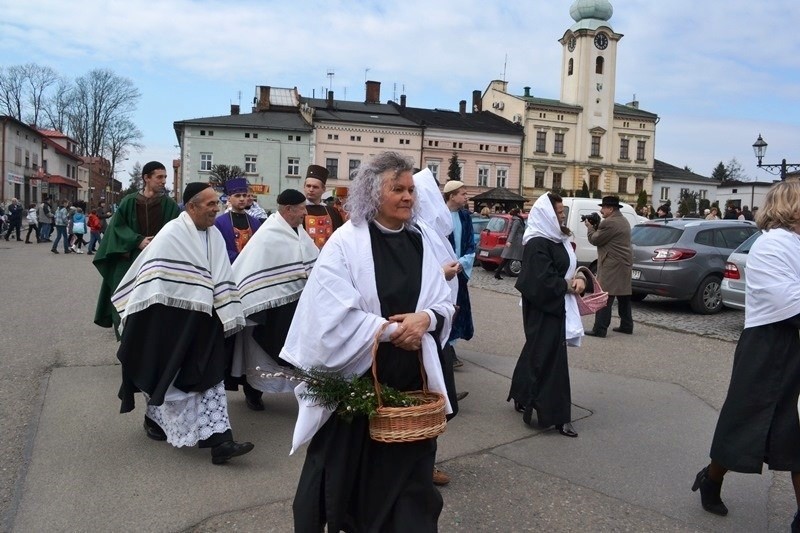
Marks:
<point>612,236</point>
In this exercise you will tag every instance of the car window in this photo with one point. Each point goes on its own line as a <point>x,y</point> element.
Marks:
<point>705,238</point>
<point>478,224</point>
<point>496,224</point>
<point>744,248</point>
<point>647,235</point>
<point>566,212</point>
<point>731,238</point>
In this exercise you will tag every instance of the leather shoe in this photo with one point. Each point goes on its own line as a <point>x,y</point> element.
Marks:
<point>227,450</point>
<point>254,403</point>
<point>567,430</point>
<point>457,363</point>
<point>440,478</point>
<point>154,432</point>
<point>518,407</point>
<point>620,330</point>
<point>461,395</point>
<point>593,333</point>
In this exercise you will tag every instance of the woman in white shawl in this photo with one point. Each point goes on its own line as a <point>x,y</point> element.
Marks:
<point>551,318</point>
<point>377,269</point>
<point>758,422</point>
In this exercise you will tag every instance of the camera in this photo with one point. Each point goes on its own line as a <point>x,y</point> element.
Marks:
<point>593,218</point>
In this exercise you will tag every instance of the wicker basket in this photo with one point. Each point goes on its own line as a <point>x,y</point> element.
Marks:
<point>591,302</point>
<point>407,424</point>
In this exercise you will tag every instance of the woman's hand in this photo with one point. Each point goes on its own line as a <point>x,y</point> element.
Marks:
<point>450,270</point>
<point>577,285</point>
<point>411,328</point>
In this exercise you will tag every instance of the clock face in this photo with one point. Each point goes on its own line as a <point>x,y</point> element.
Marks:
<point>571,44</point>
<point>601,41</point>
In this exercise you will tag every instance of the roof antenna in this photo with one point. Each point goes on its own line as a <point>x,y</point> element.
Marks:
<point>505,63</point>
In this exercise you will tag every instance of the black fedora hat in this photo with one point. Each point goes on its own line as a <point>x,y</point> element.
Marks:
<point>611,201</point>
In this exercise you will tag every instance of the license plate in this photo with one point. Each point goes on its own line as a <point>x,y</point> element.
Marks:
<point>484,254</point>
<point>636,274</point>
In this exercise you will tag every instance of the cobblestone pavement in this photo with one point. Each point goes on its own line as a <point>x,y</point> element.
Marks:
<point>654,311</point>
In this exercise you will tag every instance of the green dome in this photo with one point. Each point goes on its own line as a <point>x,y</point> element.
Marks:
<point>591,9</point>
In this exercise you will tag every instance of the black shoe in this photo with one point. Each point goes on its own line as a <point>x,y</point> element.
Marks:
<point>54,250</point>
<point>254,403</point>
<point>228,450</point>
<point>709,493</point>
<point>527,415</point>
<point>498,276</point>
<point>594,333</point>
<point>153,430</point>
<point>518,407</point>
<point>461,395</point>
<point>567,430</point>
<point>620,330</point>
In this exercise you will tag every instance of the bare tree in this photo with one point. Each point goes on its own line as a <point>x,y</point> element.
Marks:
<point>122,135</point>
<point>37,80</point>
<point>57,106</point>
<point>12,91</point>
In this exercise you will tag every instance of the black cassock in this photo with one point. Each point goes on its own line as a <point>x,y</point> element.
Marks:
<point>758,422</point>
<point>541,377</point>
<point>349,481</point>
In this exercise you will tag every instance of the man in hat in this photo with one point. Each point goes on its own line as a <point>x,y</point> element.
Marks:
<point>237,227</point>
<point>271,274</point>
<point>181,283</point>
<point>322,220</point>
<point>614,260</point>
<point>139,217</point>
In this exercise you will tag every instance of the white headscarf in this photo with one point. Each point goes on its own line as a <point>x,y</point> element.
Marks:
<point>543,222</point>
<point>772,292</point>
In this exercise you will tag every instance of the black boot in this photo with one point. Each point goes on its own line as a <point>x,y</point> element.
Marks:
<point>497,275</point>
<point>796,523</point>
<point>709,493</point>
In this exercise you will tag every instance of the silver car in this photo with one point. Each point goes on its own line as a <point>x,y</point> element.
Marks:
<point>733,283</point>
<point>685,259</point>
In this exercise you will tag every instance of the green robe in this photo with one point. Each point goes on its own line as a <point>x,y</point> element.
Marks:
<point>118,250</point>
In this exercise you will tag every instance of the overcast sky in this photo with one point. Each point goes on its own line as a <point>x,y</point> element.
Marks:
<point>717,72</point>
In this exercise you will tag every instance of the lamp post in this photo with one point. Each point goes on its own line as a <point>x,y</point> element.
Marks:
<point>760,149</point>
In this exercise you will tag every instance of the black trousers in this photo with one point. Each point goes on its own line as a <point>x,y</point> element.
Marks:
<point>32,228</point>
<point>602,319</point>
<point>15,227</point>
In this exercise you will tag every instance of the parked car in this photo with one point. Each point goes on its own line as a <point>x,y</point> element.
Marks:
<point>493,240</point>
<point>478,225</point>
<point>685,259</point>
<point>733,282</point>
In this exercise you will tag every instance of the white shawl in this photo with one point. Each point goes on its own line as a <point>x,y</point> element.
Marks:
<point>273,268</point>
<point>772,289</point>
<point>180,268</point>
<point>543,222</point>
<point>339,314</point>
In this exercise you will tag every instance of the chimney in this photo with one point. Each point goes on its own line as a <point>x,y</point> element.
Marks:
<point>330,99</point>
<point>234,109</point>
<point>403,101</point>
<point>527,91</point>
<point>373,92</point>
<point>477,104</point>
<point>462,107</point>
<point>263,98</point>
<point>634,104</point>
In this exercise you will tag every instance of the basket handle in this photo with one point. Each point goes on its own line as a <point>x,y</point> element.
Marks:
<point>588,272</point>
<point>375,381</point>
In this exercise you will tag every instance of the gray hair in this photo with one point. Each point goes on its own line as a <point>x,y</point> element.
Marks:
<point>364,196</point>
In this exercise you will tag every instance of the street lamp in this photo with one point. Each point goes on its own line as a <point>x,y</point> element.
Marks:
<point>760,149</point>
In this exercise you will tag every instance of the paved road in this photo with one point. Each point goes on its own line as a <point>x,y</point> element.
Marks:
<point>644,406</point>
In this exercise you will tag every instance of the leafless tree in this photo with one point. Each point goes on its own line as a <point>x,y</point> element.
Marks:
<point>12,91</point>
<point>57,106</point>
<point>122,136</point>
<point>38,79</point>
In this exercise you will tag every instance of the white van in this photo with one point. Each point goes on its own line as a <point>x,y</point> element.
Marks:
<point>574,208</point>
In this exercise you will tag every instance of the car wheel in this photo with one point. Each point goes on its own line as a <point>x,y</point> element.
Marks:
<point>638,296</point>
<point>491,267</point>
<point>514,268</point>
<point>708,298</point>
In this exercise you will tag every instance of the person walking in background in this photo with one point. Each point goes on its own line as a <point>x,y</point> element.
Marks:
<point>33,225</point>
<point>61,219</point>
<point>513,248</point>
<point>614,264</point>
<point>14,217</point>
<point>104,215</point>
<point>551,319</point>
<point>95,228</point>
<point>78,230</point>
<point>713,214</point>
<point>44,214</point>
<point>758,422</point>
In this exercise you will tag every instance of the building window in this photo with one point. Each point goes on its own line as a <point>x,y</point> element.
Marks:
<point>538,179</point>
<point>541,141</point>
<point>559,144</point>
<point>594,182</point>
<point>640,150</point>
<point>35,161</point>
<point>639,185</point>
<point>353,165</point>
<point>250,164</point>
<point>291,137</point>
<point>624,144</point>
<point>333,136</point>
<point>332,164</point>
<point>595,146</point>
<point>556,181</point>
<point>206,161</point>
<point>569,68</point>
<point>255,136</point>
<point>623,186</point>
<point>405,141</point>
<point>665,193</point>
<point>203,132</point>
<point>483,176</point>
<point>502,177</point>
<point>293,166</point>
<point>434,168</point>
<point>27,158</point>
<point>18,156</point>
<point>598,65</point>
<point>703,194</point>
<point>246,135</point>
<point>355,138</point>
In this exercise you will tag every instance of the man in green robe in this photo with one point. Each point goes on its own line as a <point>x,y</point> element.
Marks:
<point>139,217</point>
